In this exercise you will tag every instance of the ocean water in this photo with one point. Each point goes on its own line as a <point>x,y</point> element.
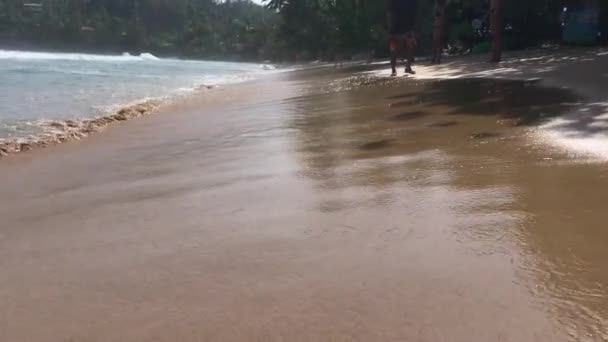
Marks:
<point>38,87</point>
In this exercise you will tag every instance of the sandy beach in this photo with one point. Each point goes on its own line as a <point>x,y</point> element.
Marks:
<point>325,205</point>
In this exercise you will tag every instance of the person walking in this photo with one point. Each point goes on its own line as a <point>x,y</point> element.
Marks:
<point>401,22</point>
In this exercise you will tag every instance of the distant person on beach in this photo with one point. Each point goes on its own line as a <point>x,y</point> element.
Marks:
<point>401,21</point>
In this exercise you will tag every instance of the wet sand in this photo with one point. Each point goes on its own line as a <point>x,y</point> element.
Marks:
<point>311,207</point>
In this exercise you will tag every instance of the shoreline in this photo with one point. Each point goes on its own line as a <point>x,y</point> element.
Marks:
<point>58,132</point>
<point>517,65</point>
<point>31,125</point>
<point>54,132</point>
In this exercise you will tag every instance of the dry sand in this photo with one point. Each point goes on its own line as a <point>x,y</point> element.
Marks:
<point>312,206</point>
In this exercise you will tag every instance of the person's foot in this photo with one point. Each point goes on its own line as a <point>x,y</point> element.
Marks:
<point>394,74</point>
<point>410,71</point>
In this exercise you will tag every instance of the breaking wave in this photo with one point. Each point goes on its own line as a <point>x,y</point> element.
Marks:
<point>28,55</point>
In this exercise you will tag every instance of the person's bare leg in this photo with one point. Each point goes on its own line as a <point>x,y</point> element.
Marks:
<point>393,64</point>
<point>434,58</point>
<point>393,60</point>
<point>437,48</point>
<point>408,66</point>
<point>410,46</point>
<point>436,43</point>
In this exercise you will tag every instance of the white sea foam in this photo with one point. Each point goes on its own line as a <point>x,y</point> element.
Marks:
<point>148,57</point>
<point>28,55</point>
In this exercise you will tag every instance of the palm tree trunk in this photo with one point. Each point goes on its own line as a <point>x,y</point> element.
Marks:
<point>439,30</point>
<point>497,27</point>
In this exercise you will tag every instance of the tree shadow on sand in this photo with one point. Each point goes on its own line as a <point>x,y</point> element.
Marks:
<point>523,103</point>
<point>526,102</point>
<point>513,89</point>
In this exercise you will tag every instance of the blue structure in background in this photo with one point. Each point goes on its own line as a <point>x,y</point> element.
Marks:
<point>581,24</point>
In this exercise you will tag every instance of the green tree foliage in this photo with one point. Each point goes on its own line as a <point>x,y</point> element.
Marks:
<point>283,29</point>
<point>316,28</point>
<point>200,28</point>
